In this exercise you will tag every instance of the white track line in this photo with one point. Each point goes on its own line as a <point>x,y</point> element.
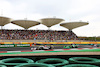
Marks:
<point>12,51</point>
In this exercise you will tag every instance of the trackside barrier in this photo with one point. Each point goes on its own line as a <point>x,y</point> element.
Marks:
<point>22,45</point>
<point>50,61</point>
<point>3,66</point>
<point>29,44</point>
<point>34,65</point>
<point>84,60</point>
<point>80,65</point>
<point>6,46</point>
<point>49,43</point>
<point>54,61</point>
<point>15,61</point>
<point>67,43</point>
<point>14,45</point>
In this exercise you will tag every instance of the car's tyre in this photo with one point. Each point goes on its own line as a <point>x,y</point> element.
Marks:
<point>97,45</point>
<point>51,47</point>
<point>72,47</point>
<point>41,48</point>
<point>76,46</point>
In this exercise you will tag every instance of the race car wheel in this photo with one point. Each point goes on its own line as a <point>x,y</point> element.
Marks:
<point>41,48</point>
<point>76,47</point>
<point>97,45</point>
<point>72,47</point>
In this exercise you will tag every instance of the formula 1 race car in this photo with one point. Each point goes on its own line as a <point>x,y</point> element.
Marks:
<point>70,46</point>
<point>43,47</point>
<point>94,45</point>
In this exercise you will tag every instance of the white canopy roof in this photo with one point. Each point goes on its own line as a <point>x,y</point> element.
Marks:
<point>51,21</point>
<point>4,20</point>
<point>25,23</point>
<point>72,25</point>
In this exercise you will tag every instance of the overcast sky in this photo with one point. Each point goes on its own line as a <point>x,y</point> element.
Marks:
<point>69,10</point>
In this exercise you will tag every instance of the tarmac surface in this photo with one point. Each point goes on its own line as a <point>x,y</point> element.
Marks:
<point>29,48</point>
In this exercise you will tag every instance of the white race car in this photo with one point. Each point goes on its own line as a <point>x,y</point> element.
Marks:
<point>42,48</point>
<point>45,47</point>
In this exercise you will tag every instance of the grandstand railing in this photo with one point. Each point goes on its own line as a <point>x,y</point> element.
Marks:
<point>44,41</point>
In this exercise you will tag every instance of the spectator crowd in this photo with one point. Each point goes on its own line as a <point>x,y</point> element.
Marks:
<point>36,35</point>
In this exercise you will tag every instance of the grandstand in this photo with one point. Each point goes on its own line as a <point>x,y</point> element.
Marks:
<point>42,35</point>
<point>36,35</point>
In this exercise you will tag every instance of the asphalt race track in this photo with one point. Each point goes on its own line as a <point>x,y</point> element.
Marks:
<point>29,48</point>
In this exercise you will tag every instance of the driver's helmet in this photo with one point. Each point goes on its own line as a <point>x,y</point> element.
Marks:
<point>45,45</point>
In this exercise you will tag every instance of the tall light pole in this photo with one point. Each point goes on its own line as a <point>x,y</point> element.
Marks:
<point>95,38</point>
